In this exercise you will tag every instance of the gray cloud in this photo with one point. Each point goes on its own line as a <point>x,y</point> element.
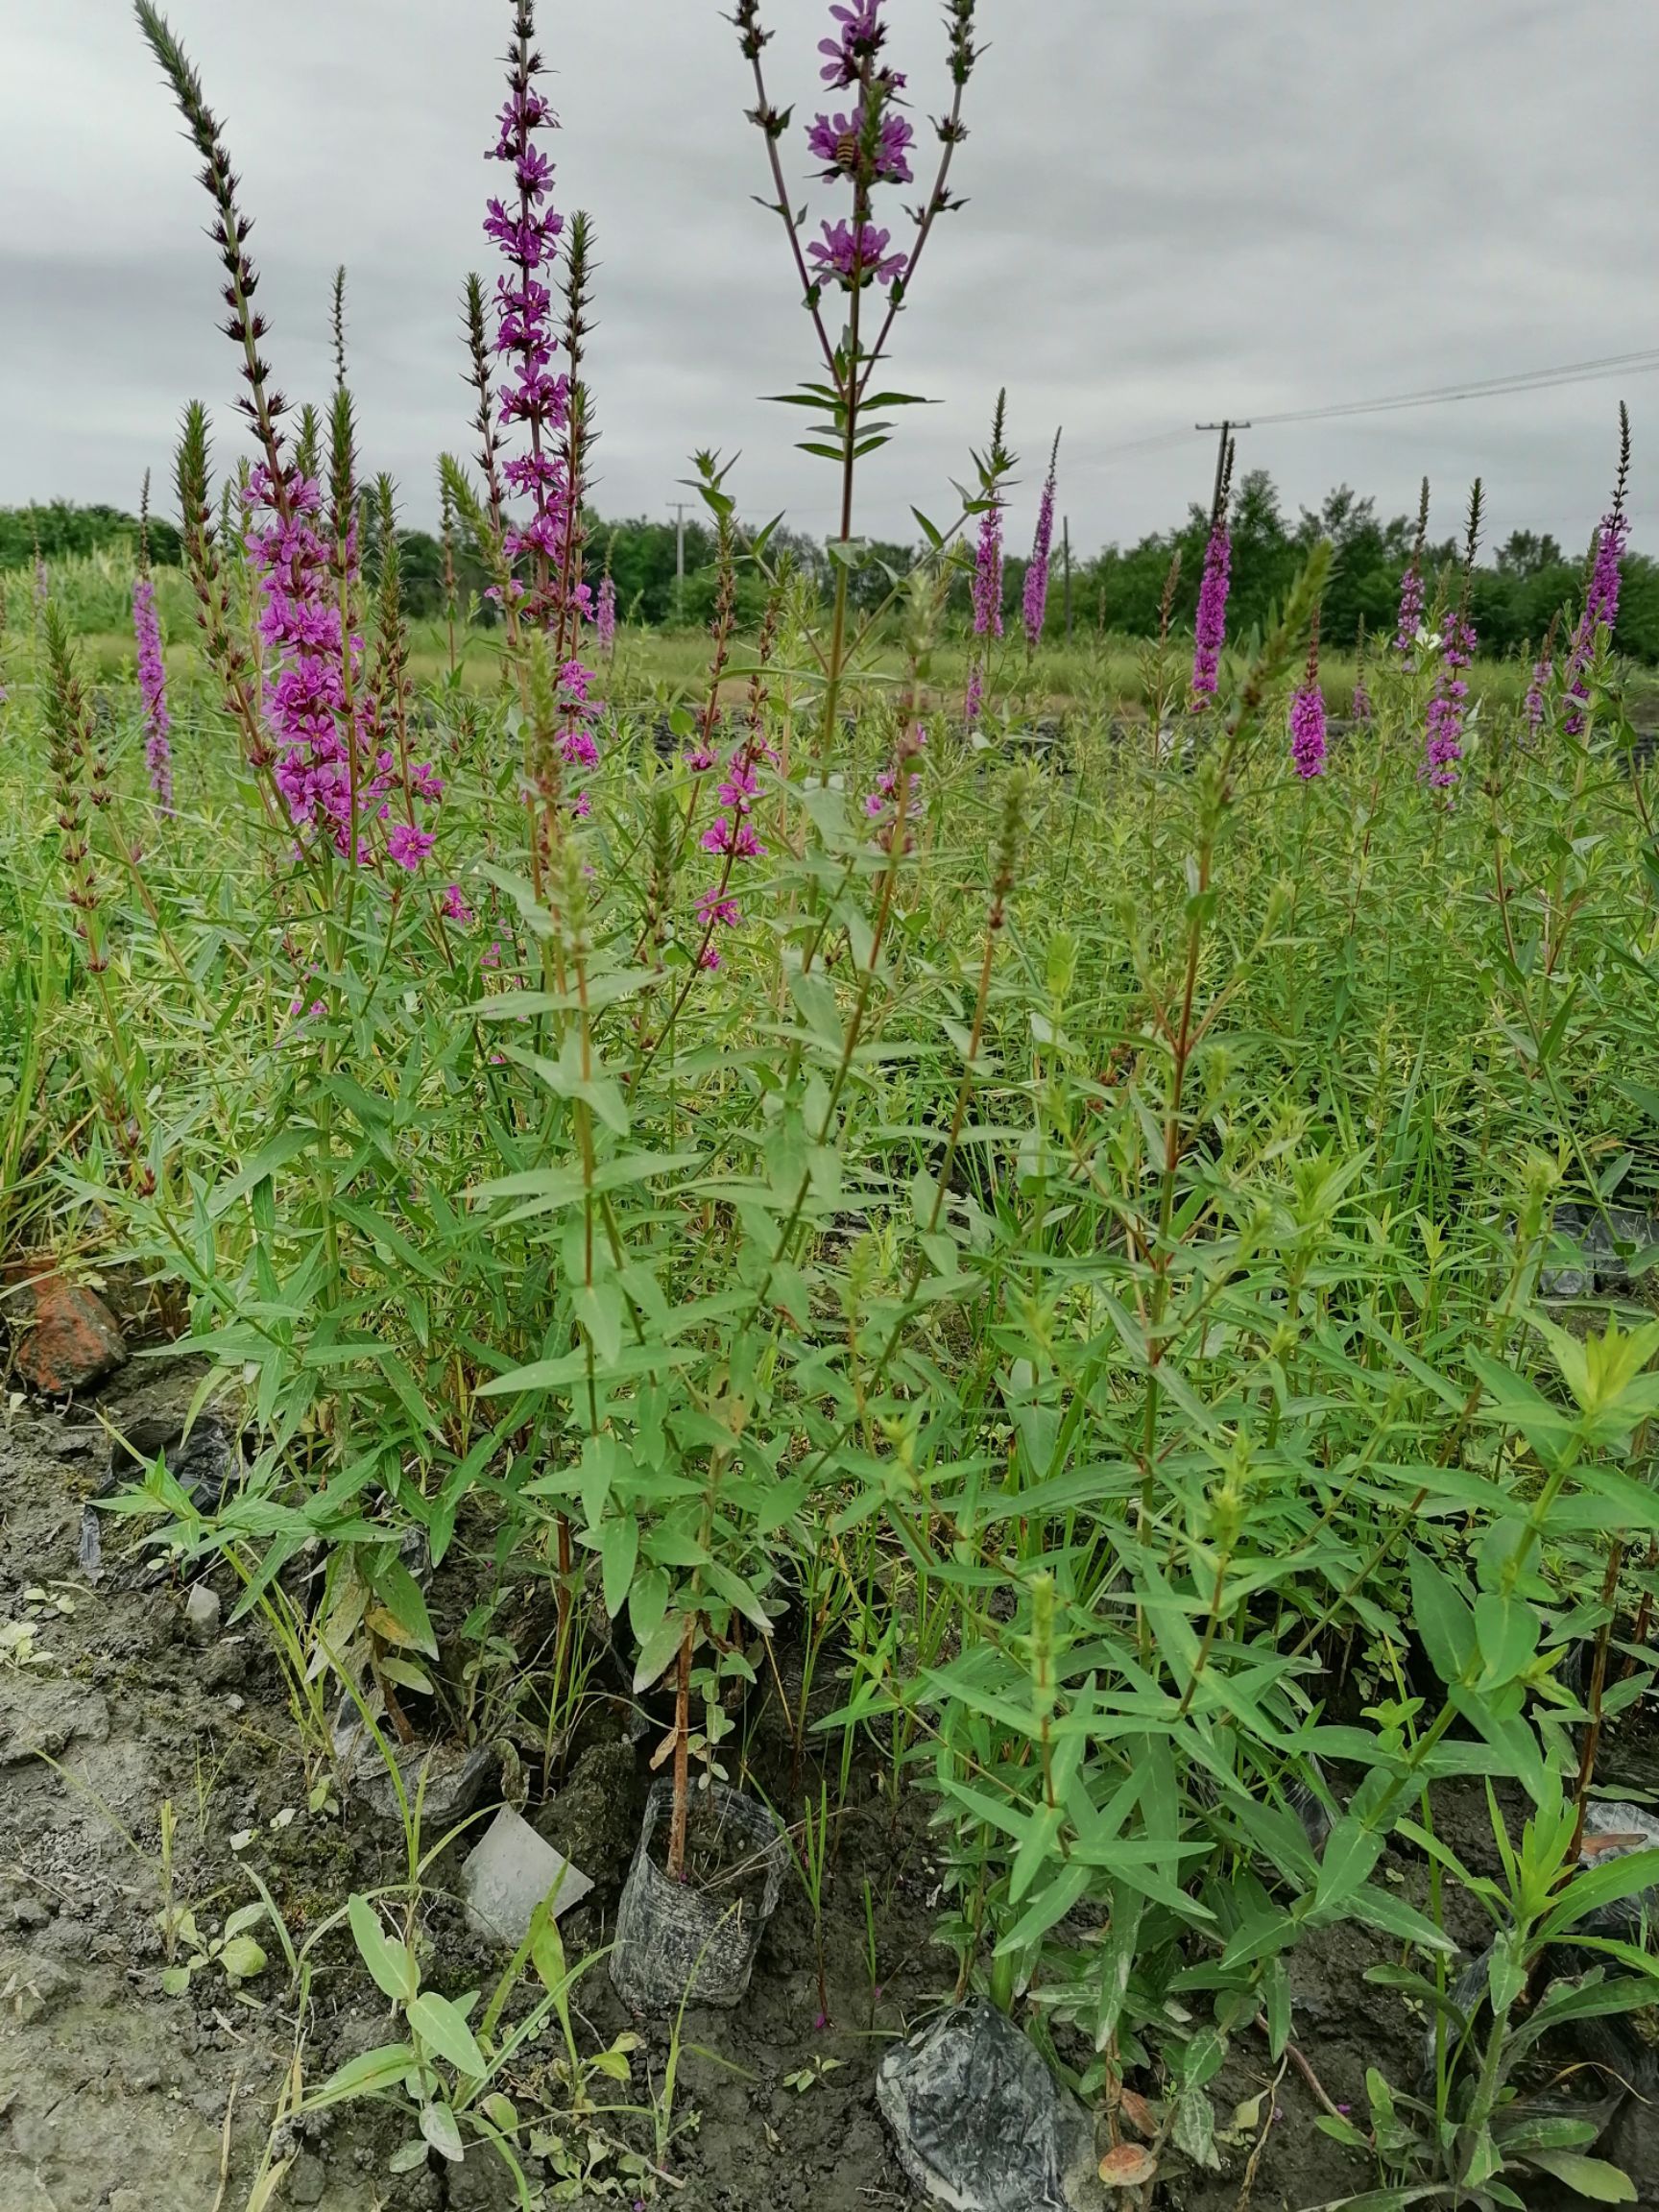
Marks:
<point>1177,210</point>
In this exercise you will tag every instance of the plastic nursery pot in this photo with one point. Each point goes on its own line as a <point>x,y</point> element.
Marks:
<point>698,1937</point>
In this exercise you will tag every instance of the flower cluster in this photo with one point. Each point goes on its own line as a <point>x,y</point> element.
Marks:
<point>605,615</point>
<point>152,689</point>
<point>861,36</point>
<point>854,256</point>
<point>526,230</point>
<point>731,836</point>
<point>1036,599</point>
<point>1543,669</point>
<point>897,797</point>
<point>1600,609</point>
<point>837,141</point>
<point>333,773</point>
<point>1444,748</point>
<point>1307,729</point>
<point>1307,714</point>
<point>988,573</point>
<point>1410,610</point>
<point>1362,710</point>
<point>1210,629</point>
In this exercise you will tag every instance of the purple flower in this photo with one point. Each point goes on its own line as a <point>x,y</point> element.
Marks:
<point>1362,710</point>
<point>1542,672</point>
<point>324,763</point>
<point>862,33</point>
<point>1036,600</point>
<point>605,615</point>
<point>988,573</point>
<point>837,141</point>
<point>1600,609</point>
<point>730,831</point>
<point>526,228</point>
<point>898,791</point>
<point>455,907</point>
<point>855,258</point>
<point>407,845</point>
<point>1444,748</point>
<point>973,703</point>
<point>153,688</point>
<point>1210,629</point>
<point>1410,610</point>
<point>1307,729</point>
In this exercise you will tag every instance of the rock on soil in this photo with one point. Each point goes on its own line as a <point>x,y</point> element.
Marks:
<point>65,1338</point>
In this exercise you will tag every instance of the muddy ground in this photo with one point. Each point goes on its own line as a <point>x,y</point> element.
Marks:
<point>116,2095</point>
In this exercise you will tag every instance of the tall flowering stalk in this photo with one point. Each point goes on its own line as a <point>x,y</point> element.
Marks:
<point>1543,673</point>
<point>1307,714</point>
<point>605,615</point>
<point>1360,708</point>
<point>317,727</point>
<point>544,404</point>
<point>1410,620</point>
<point>895,802</point>
<point>865,145</point>
<point>151,667</point>
<point>1210,628</point>
<point>1035,602</point>
<point>1443,750</point>
<point>986,587</point>
<point>1602,598</point>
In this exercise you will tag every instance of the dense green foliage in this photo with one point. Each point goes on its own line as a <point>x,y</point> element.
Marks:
<point>1515,593</point>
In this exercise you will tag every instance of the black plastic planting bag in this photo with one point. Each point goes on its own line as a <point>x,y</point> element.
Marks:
<point>979,2121</point>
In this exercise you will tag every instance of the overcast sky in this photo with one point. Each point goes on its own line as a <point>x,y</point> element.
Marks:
<point>1179,209</point>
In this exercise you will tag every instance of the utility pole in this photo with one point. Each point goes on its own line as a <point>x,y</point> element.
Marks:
<point>679,561</point>
<point>1066,556</point>
<point>1226,429</point>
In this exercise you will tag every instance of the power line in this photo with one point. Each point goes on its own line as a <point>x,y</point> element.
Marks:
<point>1640,363</point>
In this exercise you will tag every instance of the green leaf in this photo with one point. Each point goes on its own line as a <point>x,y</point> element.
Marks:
<point>393,1968</point>
<point>1351,1851</point>
<point>618,1556</point>
<point>1443,1620</point>
<point>362,2076</point>
<point>1590,2177</point>
<point>399,1594</point>
<point>242,1959</point>
<point>438,2024</point>
<point>442,2131</point>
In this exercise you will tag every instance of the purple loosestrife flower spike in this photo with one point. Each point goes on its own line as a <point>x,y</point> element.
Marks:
<point>605,615</point>
<point>988,574</point>
<point>527,229</point>
<point>152,688</point>
<point>1210,625</point>
<point>1410,620</point>
<point>1035,606</point>
<point>1444,749</point>
<point>1209,631</point>
<point>152,667</point>
<point>1543,669</point>
<point>1602,598</point>
<point>1307,716</point>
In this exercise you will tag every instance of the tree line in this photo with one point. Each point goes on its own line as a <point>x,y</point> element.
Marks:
<point>1516,587</point>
